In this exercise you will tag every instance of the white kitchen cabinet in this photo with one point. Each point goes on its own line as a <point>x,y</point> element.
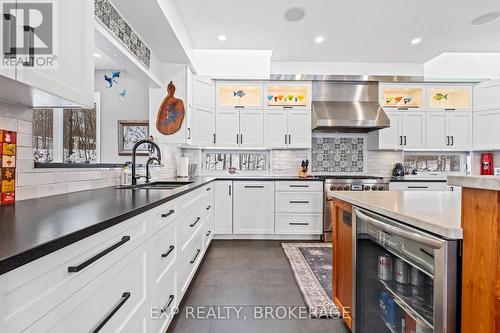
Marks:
<point>203,131</point>
<point>251,128</point>
<point>223,207</point>
<point>287,95</point>
<point>73,76</point>
<point>253,205</point>
<point>227,124</point>
<point>239,95</point>
<point>449,97</point>
<point>437,125</point>
<point>390,137</point>
<point>242,128</point>
<point>115,301</point>
<point>188,118</point>
<point>413,125</point>
<point>486,116</point>
<point>402,96</point>
<point>275,128</point>
<point>460,130</point>
<point>287,128</point>
<point>448,130</point>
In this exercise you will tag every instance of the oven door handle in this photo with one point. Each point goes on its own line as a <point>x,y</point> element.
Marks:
<point>415,236</point>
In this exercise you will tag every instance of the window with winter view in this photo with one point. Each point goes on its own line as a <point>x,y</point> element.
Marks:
<point>65,135</point>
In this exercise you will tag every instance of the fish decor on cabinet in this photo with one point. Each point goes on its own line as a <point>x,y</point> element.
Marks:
<point>280,97</point>
<point>439,97</point>
<point>113,79</point>
<point>171,113</point>
<point>407,100</point>
<point>300,97</point>
<point>270,97</point>
<point>290,97</point>
<point>388,100</point>
<point>398,99</point>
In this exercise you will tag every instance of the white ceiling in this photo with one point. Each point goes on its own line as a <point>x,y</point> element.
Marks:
<point>354,31</point>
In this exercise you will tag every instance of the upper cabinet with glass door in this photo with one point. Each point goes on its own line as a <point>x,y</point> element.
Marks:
<point>401,97</point>
<point>239,95</point>
<point>449,97</point>
<point>287,95</point>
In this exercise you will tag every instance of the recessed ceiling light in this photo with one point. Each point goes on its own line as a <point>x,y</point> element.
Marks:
<point>295,14</point>
<point>485,18</point>
<point>416,41</point>
<point>319,39</point>
<point>97,55</point>
<point>222,38</point>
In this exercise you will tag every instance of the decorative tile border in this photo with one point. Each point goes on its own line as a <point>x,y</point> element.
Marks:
<point>110,17</point>
<point>338,155</point>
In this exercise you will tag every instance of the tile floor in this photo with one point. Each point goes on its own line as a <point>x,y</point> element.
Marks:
<point>247,275</point>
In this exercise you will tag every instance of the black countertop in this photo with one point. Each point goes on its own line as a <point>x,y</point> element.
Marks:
<point>33,228</point>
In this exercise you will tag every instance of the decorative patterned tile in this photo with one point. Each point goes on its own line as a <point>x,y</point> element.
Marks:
<point>110,17</point>
<point>339,155</point>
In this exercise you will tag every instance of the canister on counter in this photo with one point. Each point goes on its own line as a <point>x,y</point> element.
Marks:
<point>385,267</point>
<point>401,271</point>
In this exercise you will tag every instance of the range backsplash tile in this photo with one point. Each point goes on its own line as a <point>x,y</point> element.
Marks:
<point>110,17</point>
<point>338,155</point>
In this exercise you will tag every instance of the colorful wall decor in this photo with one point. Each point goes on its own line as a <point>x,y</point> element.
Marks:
<point>8,167</point>
<point>171,113</point>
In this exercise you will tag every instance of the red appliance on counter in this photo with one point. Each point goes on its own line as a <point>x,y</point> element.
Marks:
<point>487,164</point>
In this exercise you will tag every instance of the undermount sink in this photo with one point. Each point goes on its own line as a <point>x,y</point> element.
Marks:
<point>156,186</point>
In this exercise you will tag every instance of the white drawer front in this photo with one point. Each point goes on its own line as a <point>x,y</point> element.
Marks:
<point>189,224</point>
<point>165,214</point>
<point>164,252</point>
<point>301,202</point>
<point>208,230</point>
<point>38,287</point>
<point>189,261</point>
<point>418,186</point>
<point>299,185</point>
<point>299,224</point>
<point>163,302</point>
<point>121,289</point>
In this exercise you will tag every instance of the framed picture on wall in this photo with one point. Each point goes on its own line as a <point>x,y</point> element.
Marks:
<point>129,133</point>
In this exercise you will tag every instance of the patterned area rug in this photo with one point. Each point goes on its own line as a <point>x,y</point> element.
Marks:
<point>311,264</point>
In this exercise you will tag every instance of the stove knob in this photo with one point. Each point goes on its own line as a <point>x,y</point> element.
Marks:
<point>381,188</point>
<point>374,188</point>
<point>367,188</point>
<point>332,188</point>
<point>347,188</point>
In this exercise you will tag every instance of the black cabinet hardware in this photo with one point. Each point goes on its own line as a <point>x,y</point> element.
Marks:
<point>209,188</point>
<point>194,223</point>
<point>208,207</point>
<point>229,189</point>
<point>288,107</point>
<point>299,201</point>
<point>75,269</point>
<point>170,212</point>
<point>170,249</point>
<point>447,140</point>
<point>286,139</point>
<point>214,137</point>
<point>400,140</point>
<point>298,185</point>
<point>123,300</point>
<point>189,133</point>
<point>208,233</point>
<point>415,187</point>
<point>239,106</point>
<point>237,139</point>
<point>452,140</point>
<point>195,256</point>
<point>241,139</point>
<point>169,302</point>
<point>405,139</point>
<point>403,109</point>
<point>298,223</point>
<point>254,186</point>
<point>450,109</point>
<point>289,139</point>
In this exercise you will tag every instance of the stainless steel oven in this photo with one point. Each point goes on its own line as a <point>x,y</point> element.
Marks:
<point>406,280</point>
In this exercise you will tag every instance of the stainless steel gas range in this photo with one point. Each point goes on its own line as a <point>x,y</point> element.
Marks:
<point>347,183</point>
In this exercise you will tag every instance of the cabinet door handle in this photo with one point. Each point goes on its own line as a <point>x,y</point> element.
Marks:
<point>450,109</point>
<point>299,202</point>
<point>75,269</point>
<point>298,223</point>
<point>169,302</point>
<point>239,106</point>
<point>298,186</point>
<point>288,107</point>
<point>170,212</point>
<point>208,207</point>
<point>447,140</point>
<point>195,256</point>
<point>214,138</point>
<point>405,139</point>
<point>289,139</point>
<point>403,109</point>
<point>189,133</point>
<point>208,233</point>
<point>452,140</point>
<point>286,139</point>
<point>418,186</point>
<point>209,188</point>
<point>254,186</point>
<point>170,249</point>
<point>237,139</point>
<point>125,296</point>
<point>400,140</point>
<point>194,223</point>
<point>241,139</point>
<point>229,188</point>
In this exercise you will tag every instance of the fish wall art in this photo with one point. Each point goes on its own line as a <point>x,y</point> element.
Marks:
<point>171,113</point>
<point>440,97</point>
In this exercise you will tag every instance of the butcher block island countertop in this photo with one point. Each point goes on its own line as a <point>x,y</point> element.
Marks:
<point>434,212</point>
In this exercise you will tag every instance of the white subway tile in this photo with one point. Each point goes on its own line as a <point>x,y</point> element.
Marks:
<point>24,153</point>
<point>79,186</point>
<point>24,179</point>
<point>26,192</point>
<point>25,140</point>
<point>46,190</point>
<point>8,124</point>
<point>24,127</point>
<point>23,166</point>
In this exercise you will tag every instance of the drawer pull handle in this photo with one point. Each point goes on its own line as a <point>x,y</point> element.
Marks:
<point>194,223</point>
<point>170,212</point>
<point>299,223</point>
<point>75,269</point>
<point>298,202</point>
<point>125,297</point>
<point>299,185</point>
<point>209,188</point>
<point>208,207</point>
<point>170,249</point>
<point>418,186</point>
<point>195,256</point>
<point>208,233</point>
<point>169,302</point>
<point>254,186</point>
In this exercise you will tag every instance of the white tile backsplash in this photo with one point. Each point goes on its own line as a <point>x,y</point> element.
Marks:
<point>380,163</point>
<point>287,162</point>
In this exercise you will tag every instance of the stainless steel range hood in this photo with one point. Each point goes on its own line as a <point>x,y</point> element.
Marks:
<point>347,107</point>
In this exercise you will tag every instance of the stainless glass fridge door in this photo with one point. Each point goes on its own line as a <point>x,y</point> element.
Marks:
<point>405,279</point>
